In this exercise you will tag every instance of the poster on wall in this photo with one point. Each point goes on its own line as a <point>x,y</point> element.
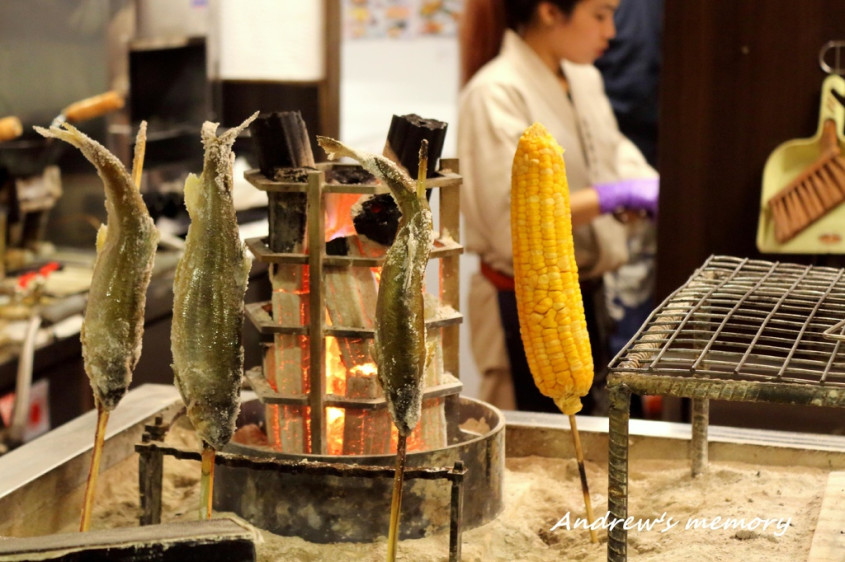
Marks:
<point>400,19</point>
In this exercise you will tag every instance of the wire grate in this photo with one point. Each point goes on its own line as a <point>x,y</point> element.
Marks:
<point>749,320</point>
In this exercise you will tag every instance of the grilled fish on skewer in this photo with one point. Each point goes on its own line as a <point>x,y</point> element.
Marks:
<point>400,318</point>
<point>113,327</point>
<point>209,289</point>
<point>400,326</point>
<point>114,318</point>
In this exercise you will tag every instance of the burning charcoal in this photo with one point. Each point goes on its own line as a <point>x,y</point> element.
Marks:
<point>297,175</point>
<point>349,176</point>
<point>281,139</point>
<point>250,434</point>
<point>338,247</point>
<point>404,137</point>
<point>377,218</point>
<point>287,221</point>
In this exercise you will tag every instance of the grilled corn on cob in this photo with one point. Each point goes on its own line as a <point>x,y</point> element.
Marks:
<point>551,312</point>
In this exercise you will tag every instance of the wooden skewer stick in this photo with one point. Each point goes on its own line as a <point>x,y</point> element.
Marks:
<point>579,457</point>
<point>396,503</point>
<point>206,481</point>
<point>94,469</point>
<point>140,151</point>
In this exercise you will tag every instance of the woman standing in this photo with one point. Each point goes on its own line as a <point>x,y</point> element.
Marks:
<point>544,73</point>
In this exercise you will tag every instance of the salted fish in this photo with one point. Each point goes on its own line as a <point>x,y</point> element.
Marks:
<point>400,320</point>
<point>208,301</point>
<point>113,327</point>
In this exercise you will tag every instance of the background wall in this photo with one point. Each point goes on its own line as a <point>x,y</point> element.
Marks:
<point>381,77</point>
<point>739,78</point>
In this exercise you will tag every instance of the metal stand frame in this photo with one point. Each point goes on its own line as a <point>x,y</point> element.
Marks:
<point>150,474</point>
<point>739,330</point>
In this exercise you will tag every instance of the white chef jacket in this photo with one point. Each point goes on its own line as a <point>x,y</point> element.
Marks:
<point>504,98</point>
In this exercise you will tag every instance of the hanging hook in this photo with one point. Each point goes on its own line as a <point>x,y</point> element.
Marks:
<point>838,60</point>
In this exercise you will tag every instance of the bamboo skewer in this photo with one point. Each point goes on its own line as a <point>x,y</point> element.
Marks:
<point>396,502</point>
<point>585,488</point>
<point>94,470</point>
<point>140,151</point>
<point>206,481</point>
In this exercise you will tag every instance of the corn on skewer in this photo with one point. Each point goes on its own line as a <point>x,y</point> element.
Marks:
<point>551,312</point>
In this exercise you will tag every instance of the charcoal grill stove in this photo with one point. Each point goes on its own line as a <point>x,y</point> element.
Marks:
<point>322,407</point>
<point>739,330</point>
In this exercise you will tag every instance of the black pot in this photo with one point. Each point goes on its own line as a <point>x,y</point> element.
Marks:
<point>28,155</point>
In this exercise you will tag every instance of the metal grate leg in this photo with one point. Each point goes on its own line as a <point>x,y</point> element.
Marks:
<point>617,481</point>
<point>698,445</point>
<point>456,513</point>
<point>151,475</point>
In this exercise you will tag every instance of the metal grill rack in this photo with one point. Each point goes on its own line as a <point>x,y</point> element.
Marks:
<point>739,330</point>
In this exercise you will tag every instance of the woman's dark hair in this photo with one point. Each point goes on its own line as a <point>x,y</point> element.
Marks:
<point>520,12</point>
<point>480,31</point>
<point>483,23</point>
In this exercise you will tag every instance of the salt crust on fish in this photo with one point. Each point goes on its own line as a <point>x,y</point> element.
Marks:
<point>113,327</point>
<point>209,288</point>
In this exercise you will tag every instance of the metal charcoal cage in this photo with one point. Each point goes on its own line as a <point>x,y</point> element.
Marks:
<point>320,299</point>
<point>739,330</point>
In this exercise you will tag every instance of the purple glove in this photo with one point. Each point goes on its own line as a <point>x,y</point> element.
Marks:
<point>629,195</point>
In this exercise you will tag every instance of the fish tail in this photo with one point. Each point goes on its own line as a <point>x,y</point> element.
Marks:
<point>335,149</point>
<point>227,139</point>
<point>396,178</point>
<point>116,179</point>
<point>72,135</point>
<point>218,150</point>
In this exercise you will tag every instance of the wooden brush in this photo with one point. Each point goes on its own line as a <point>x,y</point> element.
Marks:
<point>816,190</point>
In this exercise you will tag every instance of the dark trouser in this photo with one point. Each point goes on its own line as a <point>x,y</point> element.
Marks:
<point>599,326</point>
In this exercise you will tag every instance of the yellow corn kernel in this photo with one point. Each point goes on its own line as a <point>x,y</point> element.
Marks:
<point>548,297</point>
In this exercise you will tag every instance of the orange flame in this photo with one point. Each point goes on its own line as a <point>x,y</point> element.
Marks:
<point>338,223</point>
<point>335,384</point>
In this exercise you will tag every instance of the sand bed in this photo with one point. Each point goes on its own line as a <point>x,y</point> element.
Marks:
<point>541,493</point>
